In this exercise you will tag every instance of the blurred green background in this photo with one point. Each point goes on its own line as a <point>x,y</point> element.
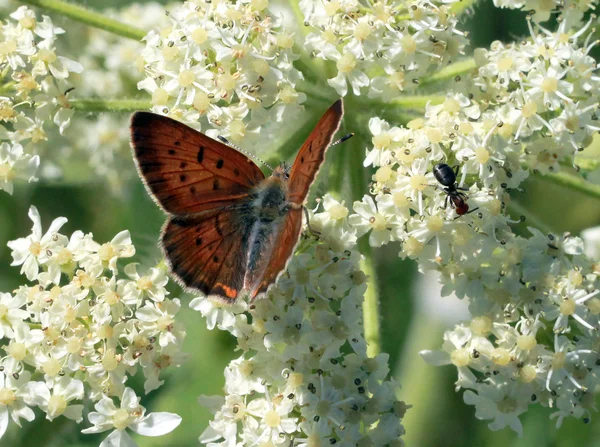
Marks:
<point>410,323</point>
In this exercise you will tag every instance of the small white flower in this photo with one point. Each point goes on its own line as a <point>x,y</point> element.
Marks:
<point>130,414</point>
<point>15,164</point>
<point>55,402</point>
<point>32,250</point>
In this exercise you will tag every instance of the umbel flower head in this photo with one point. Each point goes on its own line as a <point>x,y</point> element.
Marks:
<point>81,328</point>
<point>35,92</point>
<point>224,67</point>
<point>533,336</point>
<point>304,377</point>
<point>382,48</point>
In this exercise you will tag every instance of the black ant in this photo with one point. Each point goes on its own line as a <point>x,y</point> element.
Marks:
<point>446,176</point>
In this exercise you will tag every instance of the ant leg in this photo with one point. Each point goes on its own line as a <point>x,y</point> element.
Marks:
<point>462,188</point>
<point>313,231</point>
<point>446,201</point>
<point>455,168</point>
<point>468,212</point>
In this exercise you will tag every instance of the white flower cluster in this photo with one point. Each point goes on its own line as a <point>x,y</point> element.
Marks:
<point>304,378</point>
<point>224,67</point>
<point>81,329</point>
<point>34,90</point>
<point>385,46</point>
<point>34,75</point>
<point>534,334</point>
<point>114,65</point>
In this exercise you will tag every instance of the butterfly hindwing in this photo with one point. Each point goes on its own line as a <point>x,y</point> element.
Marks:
<point>186,171</point>
<point>205,251</point>
<point>312,153</point>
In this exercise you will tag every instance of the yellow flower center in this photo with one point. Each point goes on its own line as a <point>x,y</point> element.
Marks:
<point>567,307</point>
<point>418,182</point>
<point>346,63</point>
<point>6,172</point>
<point>186,78</point>
<point>338,211</point>
<point>481,325</point>
<point>549,85</point>
<point>527,374</point>
<point>460,357</point>
<point>199,35</point>
<point>526,342</point>
<point>56,406</point>
<point>272,419</point>
<point>35,248</point>
<point>121,419</point>
<point>505,63</point>
<point>7,396</point>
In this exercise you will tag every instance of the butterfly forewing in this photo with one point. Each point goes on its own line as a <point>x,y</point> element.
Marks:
<point>186,171</point>
<point>312,153</point>
<point>206,251</point>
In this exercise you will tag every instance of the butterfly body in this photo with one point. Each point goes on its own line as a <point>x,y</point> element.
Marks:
<point>230,231</point>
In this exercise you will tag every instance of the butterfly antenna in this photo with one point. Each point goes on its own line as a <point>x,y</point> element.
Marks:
<point>228,143</point>
<point>344,138</point>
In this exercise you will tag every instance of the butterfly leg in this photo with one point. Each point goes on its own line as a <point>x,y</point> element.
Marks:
<point>311,229</point>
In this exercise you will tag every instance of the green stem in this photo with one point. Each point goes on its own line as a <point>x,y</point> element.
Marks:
<point>417,101</point>
<point>88,17</point>
<point>371,303</point>
<point>8,87</point>
<point>109,105</point>
<point>449,72</point>
<point>574,183</point>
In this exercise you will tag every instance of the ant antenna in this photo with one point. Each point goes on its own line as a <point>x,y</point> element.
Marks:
<point>228,143</point>
<point>344,138</point>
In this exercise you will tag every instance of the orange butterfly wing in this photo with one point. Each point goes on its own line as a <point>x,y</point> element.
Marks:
<point>302,175</point>
<point>312,153</point>
<point>206,251</point>
<point>186,171</point>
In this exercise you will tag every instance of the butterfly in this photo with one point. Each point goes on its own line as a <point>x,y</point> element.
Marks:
<point>229,230</point>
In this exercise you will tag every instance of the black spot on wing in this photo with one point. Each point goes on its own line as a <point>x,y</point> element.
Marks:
<point>200,156</point>
<point>218,225</point>
<point>219,163</point>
